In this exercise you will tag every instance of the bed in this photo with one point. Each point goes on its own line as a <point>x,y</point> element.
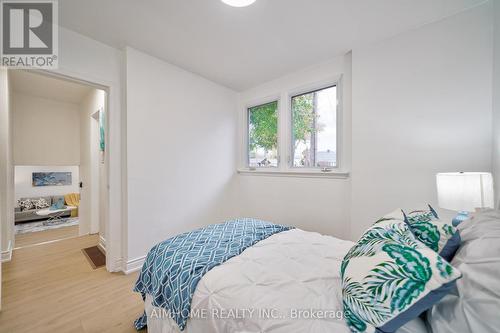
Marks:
<point>289,282</point>
<point>291,270</point>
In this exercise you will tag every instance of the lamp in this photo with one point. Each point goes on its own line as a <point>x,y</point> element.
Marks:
<point>464,192</point>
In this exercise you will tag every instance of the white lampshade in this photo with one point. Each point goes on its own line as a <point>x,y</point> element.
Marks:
<point>465,191</point>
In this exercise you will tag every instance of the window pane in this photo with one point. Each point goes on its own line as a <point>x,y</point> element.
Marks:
<point>263,135</point>
<point>314,128</point>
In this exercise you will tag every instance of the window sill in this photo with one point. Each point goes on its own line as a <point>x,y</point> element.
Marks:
<point>294,173</point>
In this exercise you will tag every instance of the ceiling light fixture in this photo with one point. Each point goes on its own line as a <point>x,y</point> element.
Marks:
<point>238,3</point>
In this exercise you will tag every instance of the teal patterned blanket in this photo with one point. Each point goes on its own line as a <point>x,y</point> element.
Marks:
<point>174,267</point>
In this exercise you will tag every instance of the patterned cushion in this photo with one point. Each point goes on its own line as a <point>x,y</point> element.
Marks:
<point>390,278</point>
<point>440,236</point>
<point>40,203</point>
<point>25,204</point>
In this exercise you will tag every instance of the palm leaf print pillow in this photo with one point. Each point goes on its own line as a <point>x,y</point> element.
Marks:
<point>390,278</point>
<point>428,228</point>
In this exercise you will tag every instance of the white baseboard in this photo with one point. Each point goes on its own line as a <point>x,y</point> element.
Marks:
<point>116,266</point>
<point>134,265</point>
<point>7,254</point>
<point>102,244</point>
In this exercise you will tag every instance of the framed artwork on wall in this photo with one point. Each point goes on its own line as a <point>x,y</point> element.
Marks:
<point>51,179</point>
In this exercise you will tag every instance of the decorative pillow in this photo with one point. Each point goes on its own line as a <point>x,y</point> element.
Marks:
<point>25,204</point>
<point>59,204</point>
<point>40,203</point>
<point>390,278</point>
<point>440,236</point>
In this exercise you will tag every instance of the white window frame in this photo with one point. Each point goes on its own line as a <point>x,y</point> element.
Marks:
<point>285,145</point>
<point>338,124</point>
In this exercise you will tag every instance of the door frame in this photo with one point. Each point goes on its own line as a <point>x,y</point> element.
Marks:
<point>113,125</point>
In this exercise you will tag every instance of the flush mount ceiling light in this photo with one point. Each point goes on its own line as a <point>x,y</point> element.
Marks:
<point>238,3</point>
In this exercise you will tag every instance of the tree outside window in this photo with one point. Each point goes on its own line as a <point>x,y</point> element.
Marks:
<point>314,129</point>
<point>263,135</point>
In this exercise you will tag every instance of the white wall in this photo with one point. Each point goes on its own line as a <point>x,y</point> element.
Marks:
<point>496,100</point>
<point>421,105</point>
<point>181,143</point>
<point>46,131</point>
<point>103,202</point>
<point>25,189</point>
<point>311,204</point>
<point>86,59</point>
<point>6,169</point>
<point>93,195</point>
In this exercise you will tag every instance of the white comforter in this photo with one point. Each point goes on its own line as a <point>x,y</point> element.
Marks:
<point>259,290</point>
<point>277,286</point>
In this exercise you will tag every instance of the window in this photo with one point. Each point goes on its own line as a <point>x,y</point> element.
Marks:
<point>263,135</point>
<point>304,125</point>
<point>314,129</point>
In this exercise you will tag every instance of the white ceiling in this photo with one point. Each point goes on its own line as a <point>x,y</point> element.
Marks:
<point>47,87</point>
<point>243,47</point>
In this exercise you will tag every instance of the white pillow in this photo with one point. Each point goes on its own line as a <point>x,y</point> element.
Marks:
<point>475,305</point>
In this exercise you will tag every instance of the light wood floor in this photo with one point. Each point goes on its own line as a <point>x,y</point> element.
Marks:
<point>31,238</point>
<point>53,288</point>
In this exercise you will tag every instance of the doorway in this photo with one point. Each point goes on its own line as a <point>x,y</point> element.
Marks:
<point>59,132</point>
